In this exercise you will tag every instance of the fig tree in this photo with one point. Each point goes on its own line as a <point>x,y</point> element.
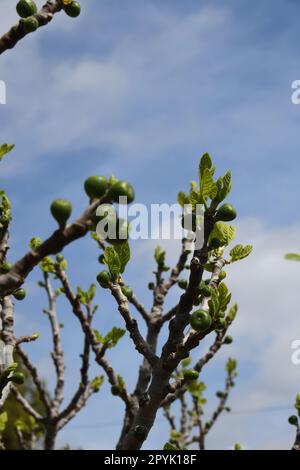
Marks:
<point>220,323</point>
<point>61,210</point>
<point>20,294</point>
<point>73,9</point>
<point>115,390</point>
<point>226,213</point>
<point>119,189</point>
<point>95,186</point>
<point>205,290</point>
<point>200,320</point>
<point>29,24</point>
<point>6,267</point>
<point>101,259</point>
<point>228,339</point>
<point>182,283</point>
<point>26,8</point>
<point>190,374</point>
<point>128,292</point>
<point>214,243</point>
<point>293,420</point>
<point>17,378</point>
<point>104,279</point>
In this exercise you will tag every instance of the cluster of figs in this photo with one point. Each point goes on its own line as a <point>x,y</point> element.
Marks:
<point>27,10</point>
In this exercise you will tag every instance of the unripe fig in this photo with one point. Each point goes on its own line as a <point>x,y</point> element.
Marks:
<point>205,290</point>
<point>200,320</point>
<point>104,279</point>
<point>115,390</point>
<point>228,339</point>
<point>119,189</point>
<point>29,24</point>
<point>26,8</point>
<point>17,378</point>
<point>73,9</point>
<point>95,186</point>
<point>59,258</point>
<point>182,283</point>
<point>20,294</point>
<point>220,394</point>
<point>101,259</point>
<point>127,291</point>
<point>190,374</point>
<point>214,244</point>
<point>6,267</point>
<point>61,210</point>
<point>151,286</point>
<point>226,213</point>
<point>222,275</point>
<point>293,420</point>
<point>220,323</point>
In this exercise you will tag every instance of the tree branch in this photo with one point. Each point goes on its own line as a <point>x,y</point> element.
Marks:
<point>25,404</point>
<point>17,32</point>
<point>57,354</point>
<point>7,343</point>
<point>10,281</point>
<point>36,379</point>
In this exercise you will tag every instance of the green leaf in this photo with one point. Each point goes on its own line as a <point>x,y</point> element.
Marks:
<point>224,296</point>
<point>205,163</point>
<point>11,368</point>
<point>5,215</point>
<point>111,258</point>
<point>112,338</point>
<point>98,335</point>
<point>86,297</point>
<point>169,446</point>
<point>213,303</point>
<point>3,421</point>
<point>121,383</point>
<point>159,256</point>
<point>196,389</point>
<point>232,313</point>
<point>292,257</point>
<point>231,366</point>
<point>224,188</point>
<point>208,187</point>
<point>186,362</point>
<point>123,251</point>
<point>240,252</point>
<point>297,403</point>
<point>34,243</point>
<point>47,265</point>
<point>182,198</point>
<point>4,149</point>
<point>96,383</point>
<point>223,232</point>
<point>195,198</point>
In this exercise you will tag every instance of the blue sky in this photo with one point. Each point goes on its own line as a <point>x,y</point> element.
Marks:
<point>142,89</point>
